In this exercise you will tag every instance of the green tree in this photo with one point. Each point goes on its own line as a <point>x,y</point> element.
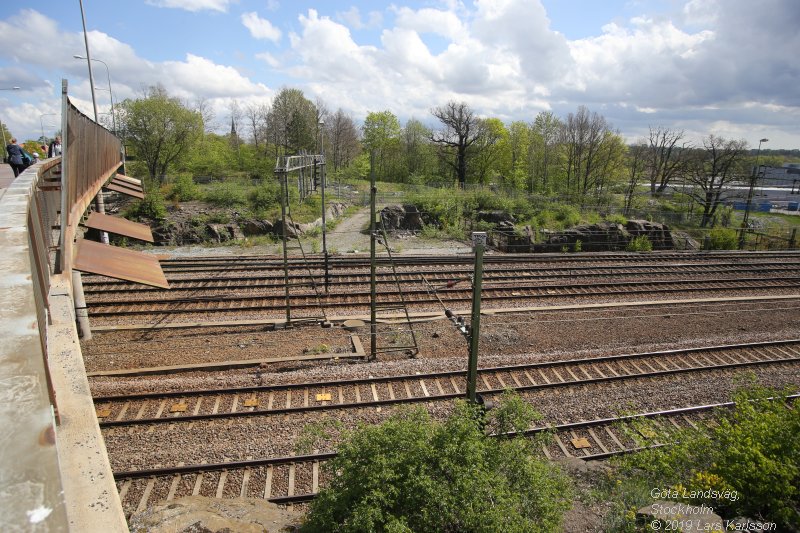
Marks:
<point>491,153</point>
<point>544,152</point>
<point>413,474</point>
<point>381,134</point>
<point>159,129</point>
<point>212,156</point>
<point>292,123</point>
<point>417,150</point>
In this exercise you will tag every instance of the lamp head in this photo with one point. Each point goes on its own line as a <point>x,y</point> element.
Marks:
<point>763,140</point>
<point>78,56</point>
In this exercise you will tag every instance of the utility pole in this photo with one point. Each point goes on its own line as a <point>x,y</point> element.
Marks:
<point>322,179</point>
<point>478,243</point>
<point>753,179</point>
<point>284,192</point>
<point>373,293</point>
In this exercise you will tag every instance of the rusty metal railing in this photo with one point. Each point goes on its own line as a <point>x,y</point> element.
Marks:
<point>54,470</point>
<point>92,155</point>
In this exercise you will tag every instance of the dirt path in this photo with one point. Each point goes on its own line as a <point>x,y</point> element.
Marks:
<point>348,237</point>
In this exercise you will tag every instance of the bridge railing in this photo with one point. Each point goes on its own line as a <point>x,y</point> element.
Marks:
<point>54,470</point>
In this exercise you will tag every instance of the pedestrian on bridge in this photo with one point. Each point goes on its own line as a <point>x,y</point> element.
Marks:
<point>15,157</point>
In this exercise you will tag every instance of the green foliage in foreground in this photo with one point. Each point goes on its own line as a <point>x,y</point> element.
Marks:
<point>754,451</point>
<point>414,474</point>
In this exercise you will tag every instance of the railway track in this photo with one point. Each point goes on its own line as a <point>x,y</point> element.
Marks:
<point>421,297</point>
<point>247,263</point>
<point>210,404</point>
<point>297,479</point>
<point>347,279</point>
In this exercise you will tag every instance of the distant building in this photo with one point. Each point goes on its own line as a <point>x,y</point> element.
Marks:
<point>786,176</point>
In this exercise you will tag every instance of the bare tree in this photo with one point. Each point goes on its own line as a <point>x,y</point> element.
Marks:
<point>666,159</point>
<point>201,105</point>
<point>461,130</point>
<point>719,163</point>
<point>592,148</point>
<point>637,164</point>
<point>342,135</point>
<point>256,117</point>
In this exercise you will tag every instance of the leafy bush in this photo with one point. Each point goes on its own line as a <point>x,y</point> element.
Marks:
<point>265,196</point>
<point>226,194</point>
<point>414,474</point>
<point>442,206</point>
<point>617,219</point>
<point>754,450</point>
<point>640,244</point>
<point>725,215</point>
<point>183,189</point>
<point>218,217</point>
<point>723,239</point>
<point>558,216</point>
<point>151,207</point>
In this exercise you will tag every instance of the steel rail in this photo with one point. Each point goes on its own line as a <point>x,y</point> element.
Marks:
<point>347,279</point>
<point>498,258</point>
<point>246,265</point>
<point>585,362</point>
<point>455,294</point>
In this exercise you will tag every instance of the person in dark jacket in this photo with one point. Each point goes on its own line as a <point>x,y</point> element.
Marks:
<point>15,157</point>
<point>55,148</point>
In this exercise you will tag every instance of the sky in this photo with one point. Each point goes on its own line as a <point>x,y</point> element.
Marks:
<point>727,67</point>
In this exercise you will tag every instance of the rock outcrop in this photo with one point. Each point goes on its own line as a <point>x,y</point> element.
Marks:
<point>402,218</point>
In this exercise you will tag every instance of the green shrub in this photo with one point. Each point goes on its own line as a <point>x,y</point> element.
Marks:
<point>725,215</point>
<point>568,215</point>
<point>265,196</point>
<point>442,206</point>
<point>226,194</point>
<point>182,188</point>
<point>754,450</point>
<point>723,239</point>
<point>218,217</point>
<point>578,246</point>
<point>411,473</point>
<point>151,207</point>
<point>640,244</point>
<point>617,219</point>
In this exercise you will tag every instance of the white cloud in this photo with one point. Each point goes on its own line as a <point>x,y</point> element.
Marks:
<point>260,28</point>
<point>269,59</point>
<point>273,5</point>
<point>352,18</point>
<point>192,5</point>
<point>428,20</point>
<point>200,76</point>
<point>645,64</point>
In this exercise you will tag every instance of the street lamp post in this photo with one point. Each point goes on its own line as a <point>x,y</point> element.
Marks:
<point>15,88</point>
<point>111,94</point>
<point>44,139</point>
<point>753,179</point>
